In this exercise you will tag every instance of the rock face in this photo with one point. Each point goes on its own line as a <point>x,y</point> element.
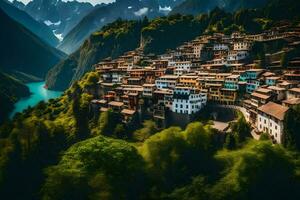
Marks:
<point>60,16</point>
<point>104,14</point>
<point>116,38</point>
<point>38,28</point>
<point>23,51</point>
<point>112,41</point>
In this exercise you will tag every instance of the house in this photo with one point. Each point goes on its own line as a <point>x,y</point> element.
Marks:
<point>163,97</point>
<point>270,120</point>
<point>293,93</point>
<point>228,96</point>
<point>232,82</point>
<point>116,106</point>
<point>279,92</point>
<point>291,102</point>
<point>188,80</point>
<point>148,90</point>
<point>182,67</point>
<point>271,81</point>
<point>242,45</point>
<point>188,100</point>
<point>167,81</point>
<point>236,56</point>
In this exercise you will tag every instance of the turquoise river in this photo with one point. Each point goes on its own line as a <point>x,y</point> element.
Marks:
<point>38,93</point>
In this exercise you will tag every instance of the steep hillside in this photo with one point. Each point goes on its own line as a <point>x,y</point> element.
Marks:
<point>38,28</point>
<point>102,15</point>
<point>112,41</point>
<point>10,91</point>
<point>23,51</point>
<point>157,36</point>
<point>203,6</point>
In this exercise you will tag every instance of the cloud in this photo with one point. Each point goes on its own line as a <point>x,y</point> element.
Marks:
<point>142,11</point>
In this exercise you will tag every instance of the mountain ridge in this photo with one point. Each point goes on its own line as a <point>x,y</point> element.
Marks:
<point>39,29</point>
<point>23,51</point>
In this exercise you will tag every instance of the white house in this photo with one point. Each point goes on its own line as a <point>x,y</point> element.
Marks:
<point>181,67</point>
<point>270,120</point>
<point>237,55</point>
<point>220,47</point>
<point>187,100</point>
<point>167,81</point>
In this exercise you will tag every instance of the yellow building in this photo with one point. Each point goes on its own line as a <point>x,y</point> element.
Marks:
<point>188,80</point>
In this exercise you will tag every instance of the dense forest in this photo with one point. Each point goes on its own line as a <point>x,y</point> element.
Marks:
<point>60,150</point>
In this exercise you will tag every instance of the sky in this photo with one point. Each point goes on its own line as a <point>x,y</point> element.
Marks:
<point>91,1</point>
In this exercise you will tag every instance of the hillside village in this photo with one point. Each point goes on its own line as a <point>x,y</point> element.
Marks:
<point>220,69</point>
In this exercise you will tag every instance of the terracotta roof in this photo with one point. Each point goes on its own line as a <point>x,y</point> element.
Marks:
<point>263,90</point>
<point>294,101</point>
<point>233,76</point>
<point>128,112</point>
<point>276,88</point>
<point>295,90</point>
<point>274,110</point>
<point>116,103</point>
<point>261,96</point>
<point>103,109</point>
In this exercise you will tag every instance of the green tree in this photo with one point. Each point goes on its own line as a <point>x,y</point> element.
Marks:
<point>108,121</point>
<point>241,129</point>
<point>230,142</point>
<point>291,128</point>
<point>98,168</point>
<point>149,128</point>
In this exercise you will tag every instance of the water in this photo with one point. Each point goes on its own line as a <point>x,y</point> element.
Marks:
<point>38,93</point>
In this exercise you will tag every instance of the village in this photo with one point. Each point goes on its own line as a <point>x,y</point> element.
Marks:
<point>219,69</point>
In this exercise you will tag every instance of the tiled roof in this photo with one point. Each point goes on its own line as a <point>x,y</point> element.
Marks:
<point>274,110</point>
<point>261,96</point>
<point>294,101</point>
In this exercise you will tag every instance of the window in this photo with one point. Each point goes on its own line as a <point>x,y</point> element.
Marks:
<point>265,121</point>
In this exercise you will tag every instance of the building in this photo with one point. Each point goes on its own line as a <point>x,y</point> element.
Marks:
<point>232,82</point>
<point>187,100</point>
<point>148,90</point>
<point>242,45</point>
<point>167,81</point>
<point>291,102</point>
<point>270,120</point>
<point>293,93</point>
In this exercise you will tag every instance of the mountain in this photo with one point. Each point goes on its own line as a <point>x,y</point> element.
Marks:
<point>23,51</point>
<point>102,15</point>
<point>116,38</point>
<point>113,40</point>
<point>39,29</point>
<point>195,7</point>
<point>158,35</point>
<point>17,4</point>
<point>60,16</point>
<point>10,91</point>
